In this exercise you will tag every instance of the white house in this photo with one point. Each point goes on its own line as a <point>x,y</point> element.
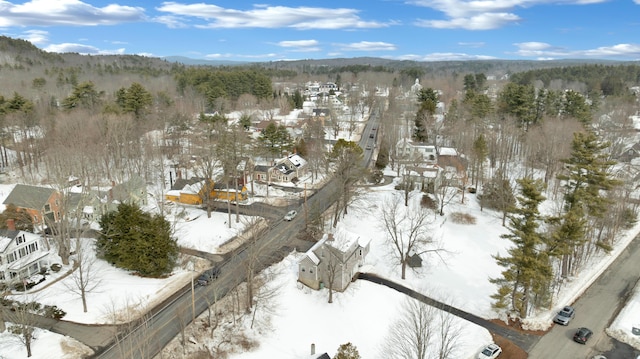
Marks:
<point>333,260</point>
<point>22,254</point>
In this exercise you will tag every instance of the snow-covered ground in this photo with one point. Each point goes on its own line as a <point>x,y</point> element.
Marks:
<point>361,315</point>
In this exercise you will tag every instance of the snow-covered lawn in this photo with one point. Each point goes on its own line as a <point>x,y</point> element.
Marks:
<point>363,313</point>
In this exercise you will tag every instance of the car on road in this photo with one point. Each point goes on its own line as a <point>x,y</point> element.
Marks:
<point>368,147</point>
<point>204,280</point>
<point>491,351</point>
<point>582,335</point>
<point>290,215</point>
<point>208,277</point>
<point>564,316</point>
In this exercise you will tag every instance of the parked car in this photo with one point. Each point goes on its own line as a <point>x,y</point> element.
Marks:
<point>564,316</point>
<point>491,351</point>
<point>290,215</point>
<point>582,335</point>
<point>599,357</point>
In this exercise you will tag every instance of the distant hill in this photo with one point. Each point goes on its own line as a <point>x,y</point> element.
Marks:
<point>189,61</point>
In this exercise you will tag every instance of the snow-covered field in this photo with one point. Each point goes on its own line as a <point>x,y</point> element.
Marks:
<point>362,314</point>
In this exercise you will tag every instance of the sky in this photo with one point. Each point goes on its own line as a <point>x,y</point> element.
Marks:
<point>420,30</point>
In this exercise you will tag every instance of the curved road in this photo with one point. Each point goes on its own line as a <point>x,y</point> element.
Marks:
<point>596,309</point>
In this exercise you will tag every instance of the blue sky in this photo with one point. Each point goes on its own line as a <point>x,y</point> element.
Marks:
<point>421,30</point>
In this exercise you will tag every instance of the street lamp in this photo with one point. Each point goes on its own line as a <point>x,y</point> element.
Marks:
<point>191,268</point>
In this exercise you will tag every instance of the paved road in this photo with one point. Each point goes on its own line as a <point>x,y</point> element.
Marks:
<point>595,309</point>
<point>147,338</point>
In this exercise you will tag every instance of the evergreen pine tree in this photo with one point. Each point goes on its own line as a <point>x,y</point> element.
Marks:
<point>587,176</point>
<point>528,271</point>
<point>347,351</point>
<point>137,241</point>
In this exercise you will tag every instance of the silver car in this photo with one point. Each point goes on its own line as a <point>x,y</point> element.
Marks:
<point>564,316</point>
<point>290,215</point>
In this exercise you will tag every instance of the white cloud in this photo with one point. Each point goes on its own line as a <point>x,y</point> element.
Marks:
<point>37,37</point>
<point>542,50</point>
<point>486,21</point>
<point>82,49</point>
<point>483,14</point>
<point>65,12</point>
<point>270,16</point>
<point>472,44</point>
<point>367,46</point>
<point>298,43</point>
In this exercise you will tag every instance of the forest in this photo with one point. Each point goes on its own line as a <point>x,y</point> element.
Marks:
<point>108,118</point>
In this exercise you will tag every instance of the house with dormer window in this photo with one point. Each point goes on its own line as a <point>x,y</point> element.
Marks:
<point>22,254</point>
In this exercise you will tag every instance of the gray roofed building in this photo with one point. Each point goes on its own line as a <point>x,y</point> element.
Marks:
<point>26,196</point>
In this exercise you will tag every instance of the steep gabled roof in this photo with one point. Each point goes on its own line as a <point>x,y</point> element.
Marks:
<point>6,236</point>
<point>26,196</point>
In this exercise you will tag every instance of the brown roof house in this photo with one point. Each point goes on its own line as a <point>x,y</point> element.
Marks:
<point>22,254</point>
<point>333,261</point>
<point>42,203</point>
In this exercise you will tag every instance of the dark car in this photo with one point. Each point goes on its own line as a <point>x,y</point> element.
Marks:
<point>582,335</point>
<point>207,277</point>
<point>564,316</point>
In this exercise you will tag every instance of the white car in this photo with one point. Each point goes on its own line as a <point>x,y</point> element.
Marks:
<point>491,351</point>
<point>290,215</point>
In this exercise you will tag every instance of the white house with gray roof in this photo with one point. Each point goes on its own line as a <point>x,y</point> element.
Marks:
<point>22,254</point>
<point>339,255</point>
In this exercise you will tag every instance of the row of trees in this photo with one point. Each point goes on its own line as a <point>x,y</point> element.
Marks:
<point>582,227</point>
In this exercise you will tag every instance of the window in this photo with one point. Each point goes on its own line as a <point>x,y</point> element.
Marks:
<point>2,275</point>
<point>22,251</point>
<point>311,270</point>
<point>302,269</point>
<point>19,239</point>
<point>47,208</point>
<point>32,247</point>
<point>11,257</point>
<point>34,268</point>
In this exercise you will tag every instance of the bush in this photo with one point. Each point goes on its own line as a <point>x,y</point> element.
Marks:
<point>428,202</point>
<point>463,218</point>
<point>52,311</point>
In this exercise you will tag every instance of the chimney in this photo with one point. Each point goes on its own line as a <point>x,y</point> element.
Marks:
<point>11,224</point>
<point>313,349</point>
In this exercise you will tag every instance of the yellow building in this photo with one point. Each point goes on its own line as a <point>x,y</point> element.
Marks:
<point>195,193</point>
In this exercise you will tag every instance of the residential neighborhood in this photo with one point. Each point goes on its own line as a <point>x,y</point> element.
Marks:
<point>263,212</point>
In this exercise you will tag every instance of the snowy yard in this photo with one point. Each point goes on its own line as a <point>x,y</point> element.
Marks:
<point>361,315</point>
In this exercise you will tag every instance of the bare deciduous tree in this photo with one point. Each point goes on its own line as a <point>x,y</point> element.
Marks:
<point>84,279</point>
<point>407,229</point>
<point>23,319</point>
<point>421,332</point>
